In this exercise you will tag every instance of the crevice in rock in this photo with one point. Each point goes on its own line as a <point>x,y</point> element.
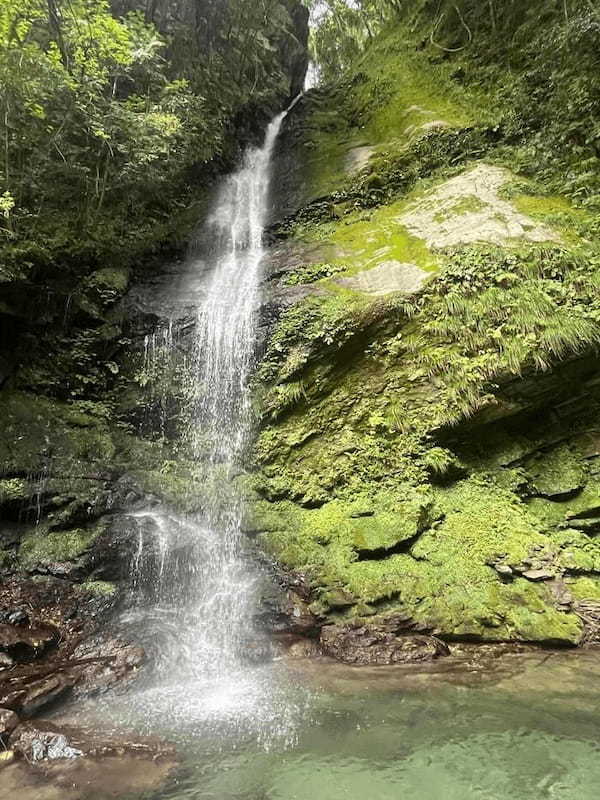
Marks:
<point>381,553</point>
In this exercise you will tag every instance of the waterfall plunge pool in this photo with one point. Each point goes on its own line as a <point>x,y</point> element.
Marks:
<point>495,726</point>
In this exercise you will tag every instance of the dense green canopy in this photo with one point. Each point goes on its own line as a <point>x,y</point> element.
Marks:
<point>110,107</point>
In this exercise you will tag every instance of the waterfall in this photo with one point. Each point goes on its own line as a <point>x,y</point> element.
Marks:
<point>220,422</point>
<point>195,588</point>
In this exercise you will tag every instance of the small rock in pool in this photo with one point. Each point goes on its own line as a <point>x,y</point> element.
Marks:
<point>39,745</point>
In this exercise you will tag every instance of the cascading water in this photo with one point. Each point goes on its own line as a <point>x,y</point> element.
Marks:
<point>194,585</point>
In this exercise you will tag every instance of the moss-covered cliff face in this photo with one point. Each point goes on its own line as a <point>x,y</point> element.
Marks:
<point>430,439</point>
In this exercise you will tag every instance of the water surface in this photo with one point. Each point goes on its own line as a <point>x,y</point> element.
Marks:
<point>517,727</point>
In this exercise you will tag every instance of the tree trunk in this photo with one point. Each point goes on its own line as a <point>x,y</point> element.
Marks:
<point>56,30</point>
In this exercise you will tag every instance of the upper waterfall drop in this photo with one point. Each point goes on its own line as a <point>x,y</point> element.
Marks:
<point>226,329</point>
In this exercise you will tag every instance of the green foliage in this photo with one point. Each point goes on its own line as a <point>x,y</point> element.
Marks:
<point>102,119</point>
<point>74,132</point>
<point>438,460</point>
<point>341,30</point>
<point>539,65</point>
<point>430,394</point>
<point>312,326</point>
<point>444,580</point>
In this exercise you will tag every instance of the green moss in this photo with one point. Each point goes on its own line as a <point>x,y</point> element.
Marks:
<point>313,273</point>
<point>40,547</point>
<point>394,102</point>
<point>402,94</point>
<point>99,588</point>
<point>557,473</point>
<point>585,589</point>
<point>364,401</point>
<point>369,238</point>
<point>550,513</point>
<point>558,212</point>
<point>439,461</point>
<point>464,205</point>
<point>444,580</point>
<point>176,482</point>
<point>327,141</point>
<point>336,534</point>
<point>109,279</point>
<point>37,431</point>
<point>358,386</point>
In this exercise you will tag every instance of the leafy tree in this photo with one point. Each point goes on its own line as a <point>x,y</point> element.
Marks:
<point>102,116</point>
<point>342,28</point>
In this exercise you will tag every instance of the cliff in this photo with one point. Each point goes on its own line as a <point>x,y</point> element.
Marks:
<point>428,455</point>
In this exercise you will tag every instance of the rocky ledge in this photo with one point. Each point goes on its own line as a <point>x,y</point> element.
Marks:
<point>42,759</point>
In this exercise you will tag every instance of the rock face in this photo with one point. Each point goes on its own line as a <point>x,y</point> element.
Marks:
<point>469,209</point>
<point>44,663</point>
<point>378,645</point>
<point>45,761</point>
<point>428,446</point>
<point>26,643</point>
<point>386,278</point>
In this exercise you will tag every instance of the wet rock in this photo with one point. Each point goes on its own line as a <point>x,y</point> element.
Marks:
<point>375,645</point>
<point>16,617</point>
<point>503,569</point>
<point>590,526</point>
<point>469,208</point>
<point>36,744</point>
<point>11,533</point>
<point>23,643</point>
<point>303,648</point>
<point>111,661</point>
<point>589,613</point>
<point>558,474</point>
<point>285,607</point>
<point>118,773</point>
<point>539,575</point>
<point>337,598</point>
<point>114,549</point>
<point>358,158</point>
<point>8,722</point>
<point>5,661</point>
<point>257,650</point>
<point>387,277</point>
<point>300,617</point>
<point>28,695</point>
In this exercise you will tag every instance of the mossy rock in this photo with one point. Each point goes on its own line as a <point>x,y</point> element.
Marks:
<point>559,473</point>
<point>99,588</point>
<point>40,548</point>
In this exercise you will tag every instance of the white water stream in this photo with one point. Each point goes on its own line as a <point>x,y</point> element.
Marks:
<point>196,590</point>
